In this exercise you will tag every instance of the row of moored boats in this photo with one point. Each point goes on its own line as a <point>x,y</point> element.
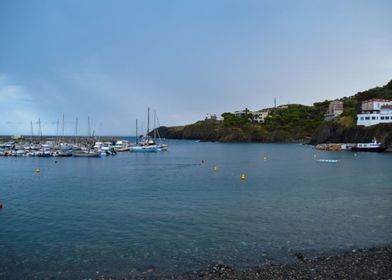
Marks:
<point>98,149</point>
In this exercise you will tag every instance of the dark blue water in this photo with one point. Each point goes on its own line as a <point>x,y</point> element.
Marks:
<point>167,213</point>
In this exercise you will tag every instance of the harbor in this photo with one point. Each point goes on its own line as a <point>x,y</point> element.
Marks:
<point>72,147</point>
<point>164,214</point>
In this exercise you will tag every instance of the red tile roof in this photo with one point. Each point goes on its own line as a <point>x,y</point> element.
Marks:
<point>377,100</point>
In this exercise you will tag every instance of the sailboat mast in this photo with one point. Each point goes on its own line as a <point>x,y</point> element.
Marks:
<point>32,131</point>
<point>39,129</point>
<point>155,127</point>
<point>63,128</point>
<point>89,128</point>
<point>76,129</point>
<point>57,130</point>
<point>136,136</point>
<point>148,121</point>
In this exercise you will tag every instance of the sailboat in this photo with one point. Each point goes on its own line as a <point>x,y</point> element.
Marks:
<point>161,146</point>
<point>146,144</point>
<point>89,152</point>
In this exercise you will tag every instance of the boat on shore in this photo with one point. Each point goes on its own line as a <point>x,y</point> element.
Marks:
<point>375,147</point>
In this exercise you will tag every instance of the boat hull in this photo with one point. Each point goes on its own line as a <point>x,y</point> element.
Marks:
<point>87,155</point>
<point>373,150</point>
<point>144,149</point>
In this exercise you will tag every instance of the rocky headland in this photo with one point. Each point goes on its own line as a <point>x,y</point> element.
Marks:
<point>292,123</point>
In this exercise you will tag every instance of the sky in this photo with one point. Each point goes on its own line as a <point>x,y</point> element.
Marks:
<point>111,60</point>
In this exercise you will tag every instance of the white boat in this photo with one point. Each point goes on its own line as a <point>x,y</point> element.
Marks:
<point>328,160</point>
<point>121,146</point>
<point>147,143</point>
<point>144,149</point>
<point>374,146</point>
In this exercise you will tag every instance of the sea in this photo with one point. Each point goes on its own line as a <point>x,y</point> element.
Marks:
<point>196,204</point>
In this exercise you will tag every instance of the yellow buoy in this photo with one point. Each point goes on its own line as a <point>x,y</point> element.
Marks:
<point>243,177</point>
<point>355,154</point>
<point>37,170</point>
<point>215,168</point>
<point>265,158</point>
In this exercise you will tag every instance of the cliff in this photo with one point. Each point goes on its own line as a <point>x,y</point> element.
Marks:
<point>334,132</point>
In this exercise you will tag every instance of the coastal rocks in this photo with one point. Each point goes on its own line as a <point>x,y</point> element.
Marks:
<point>333,132</point>
<point>329,147</point>
<point>374,263</point>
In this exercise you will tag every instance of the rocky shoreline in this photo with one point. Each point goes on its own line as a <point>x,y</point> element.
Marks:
<point>372,263</point>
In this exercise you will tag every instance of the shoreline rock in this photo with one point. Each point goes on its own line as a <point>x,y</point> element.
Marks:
<point>371,263</point>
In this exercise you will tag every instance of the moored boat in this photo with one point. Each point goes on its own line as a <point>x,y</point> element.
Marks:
<point>374,146</point>
<point>144,149</point>
<point>121,146</point>
<point>87,154</point>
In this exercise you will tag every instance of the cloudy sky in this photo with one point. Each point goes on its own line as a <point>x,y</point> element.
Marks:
<point>110,60</point>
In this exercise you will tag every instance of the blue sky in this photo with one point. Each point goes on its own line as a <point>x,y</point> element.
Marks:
<point>110,60</point>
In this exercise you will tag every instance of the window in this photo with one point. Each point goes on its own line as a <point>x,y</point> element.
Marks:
<point>373,118</point>
<point>367,118</point>
<point>382,118</point>
<point>387,118</point>
<point>362,118</point>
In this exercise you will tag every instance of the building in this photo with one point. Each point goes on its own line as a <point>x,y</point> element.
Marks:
<point>375,111</point>
<point>260,115</point>
<point>335,109</point>
<point>211,117</point>
<point>241,113</point>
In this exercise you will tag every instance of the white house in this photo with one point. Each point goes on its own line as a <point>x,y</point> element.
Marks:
<point>259,116</point>
<point>375,111</point>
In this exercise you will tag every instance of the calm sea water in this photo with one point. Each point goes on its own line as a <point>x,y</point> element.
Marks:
<point>168,213</point>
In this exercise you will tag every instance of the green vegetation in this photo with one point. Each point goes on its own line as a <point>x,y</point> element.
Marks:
<point>292,123</point>
<point>352,104</point>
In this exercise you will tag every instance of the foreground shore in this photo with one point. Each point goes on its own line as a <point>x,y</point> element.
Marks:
<point>373,263</point>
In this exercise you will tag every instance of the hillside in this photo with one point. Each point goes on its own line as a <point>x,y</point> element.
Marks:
<point>296,123</point>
